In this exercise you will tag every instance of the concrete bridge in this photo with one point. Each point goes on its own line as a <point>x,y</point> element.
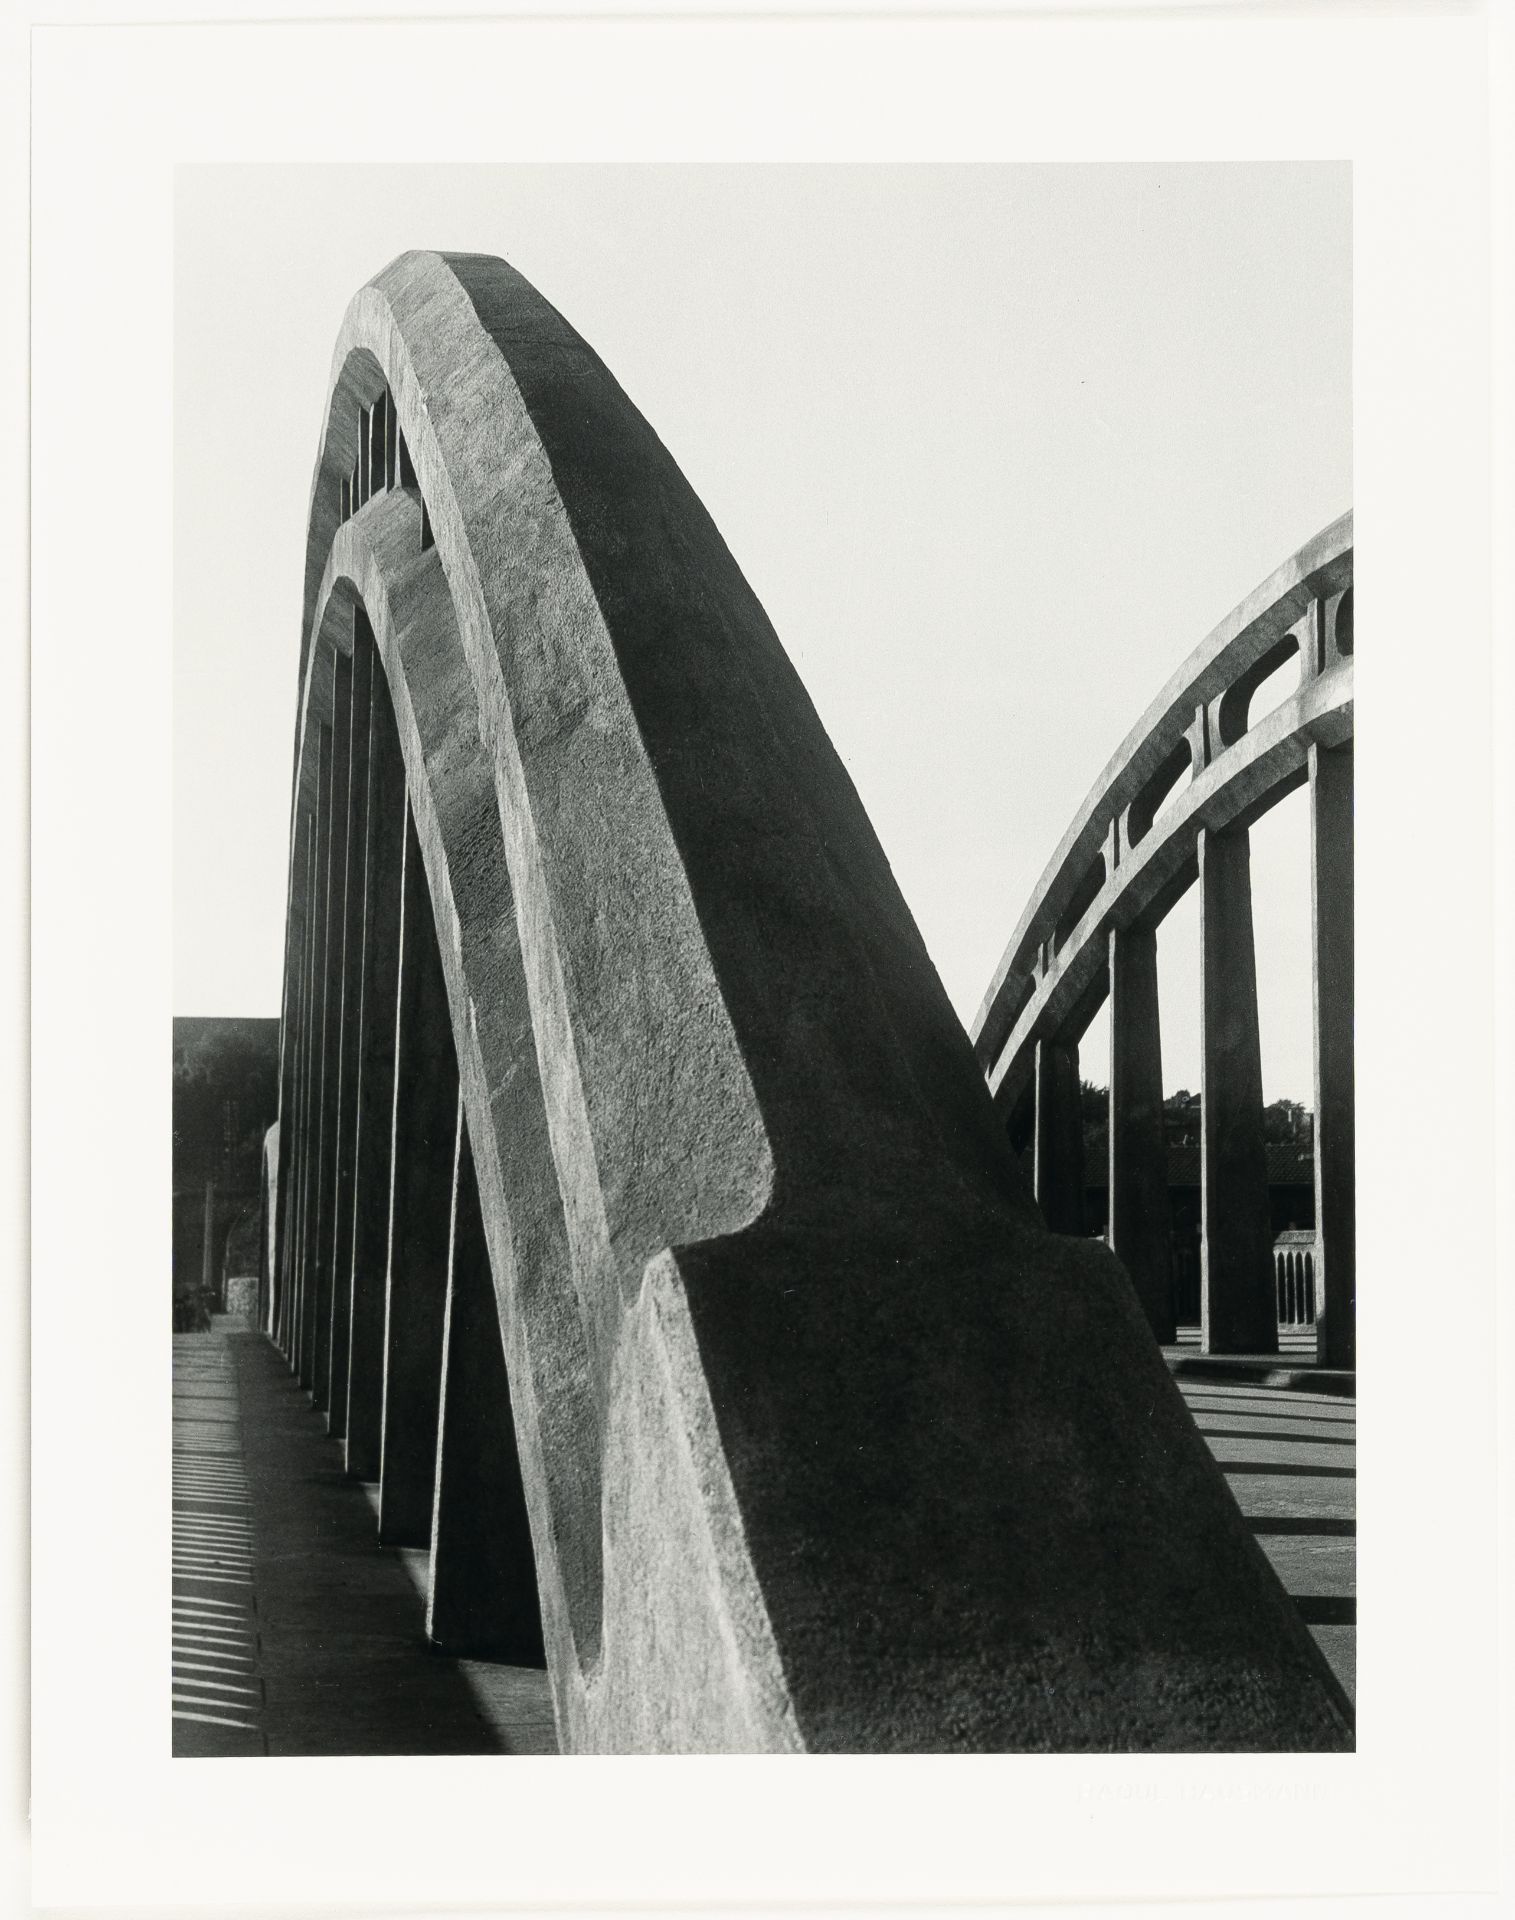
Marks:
<point>1173,809</point>
<point>643,1226</point>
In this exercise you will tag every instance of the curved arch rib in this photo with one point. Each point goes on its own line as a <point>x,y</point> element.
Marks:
<point>1131,851</point>
<point>1238,772</point>
<point>817,1427</point>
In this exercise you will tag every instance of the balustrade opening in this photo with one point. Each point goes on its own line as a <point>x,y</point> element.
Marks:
<point>1084,897</point>
<point>382,462</point>
<point>1281,684</point>
<point>1171,780</point>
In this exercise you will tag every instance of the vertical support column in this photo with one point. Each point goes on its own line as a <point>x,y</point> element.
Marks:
<point>289,1053</point>
<point>482,1595</point>
<point>353,828</point>
<point>335,868</point>
<point>378,419</point>
<point>296,1316</point>
<point>1331,908</point>
<point>208,1243</point>
<point>1238,1311</point>
<point>310,1104</point>
<point>384,859</point>
<point>1139,1228</point>
<point>425,1119</point>
<point>289,1104</point>
<point>1059,1139</point>
<point>268,1227</point>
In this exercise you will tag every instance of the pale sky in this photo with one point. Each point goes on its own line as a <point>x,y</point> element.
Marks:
<point>996,447</point>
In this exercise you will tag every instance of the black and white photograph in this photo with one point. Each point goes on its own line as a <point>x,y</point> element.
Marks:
<point>708,841</point>
<point>595,1197</point>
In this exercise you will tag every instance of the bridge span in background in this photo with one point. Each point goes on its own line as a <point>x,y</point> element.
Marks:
<point>1172,809</point>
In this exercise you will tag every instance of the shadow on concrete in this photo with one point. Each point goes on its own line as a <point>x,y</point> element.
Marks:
<point>344,1660</point>
<point>1327,1609</point>
<point>1313,1524</point>
<point>1279,1435</point>
<point>1301,1512</point>
<point>1294,1471</point>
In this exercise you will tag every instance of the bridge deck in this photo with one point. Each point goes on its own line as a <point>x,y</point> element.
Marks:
<point>1290,1456</point>
<point>296,1633</point>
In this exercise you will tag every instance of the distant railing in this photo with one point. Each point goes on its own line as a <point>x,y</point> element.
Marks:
<point>1294,1259</point>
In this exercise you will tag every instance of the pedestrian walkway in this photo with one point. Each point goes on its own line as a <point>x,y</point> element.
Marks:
<point>295,1632</point>
<point>1290,1457</point>
<point>217,1693</point>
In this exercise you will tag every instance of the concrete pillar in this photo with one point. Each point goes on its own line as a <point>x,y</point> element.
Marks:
<point>352,824</point>
<point>384,857</point>
<point>1331,889</point>
<point>1059,1138</point>
<point>310,1105</point>
<point>1139,1218</point>
<point>334,922</point>
<point>268,1227</point>
<point>208,1243</point>
<point>426,1109</point>
<point>289,1110</point>
<point>1238,1310</point>
<point>307,1051</point>
<point>482,1596</point>
<point>283,1217</point>
<point>378,420</point>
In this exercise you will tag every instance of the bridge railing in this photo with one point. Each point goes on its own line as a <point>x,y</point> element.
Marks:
<point>1295,1255</point>
<point>1173,808</point>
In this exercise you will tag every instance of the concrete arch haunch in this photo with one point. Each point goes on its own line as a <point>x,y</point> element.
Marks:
<point>805,1432</point>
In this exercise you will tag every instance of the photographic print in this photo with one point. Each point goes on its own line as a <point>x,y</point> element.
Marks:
<point>720,999</point>
<point>733,1199</point>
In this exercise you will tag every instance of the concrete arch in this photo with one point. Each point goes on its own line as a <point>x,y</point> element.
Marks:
<point>778,1314</point>
<point>1198,721</point>
<point>1134,848</point>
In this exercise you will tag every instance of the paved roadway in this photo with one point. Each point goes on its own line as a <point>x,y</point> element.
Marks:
<point>294,1632</point>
